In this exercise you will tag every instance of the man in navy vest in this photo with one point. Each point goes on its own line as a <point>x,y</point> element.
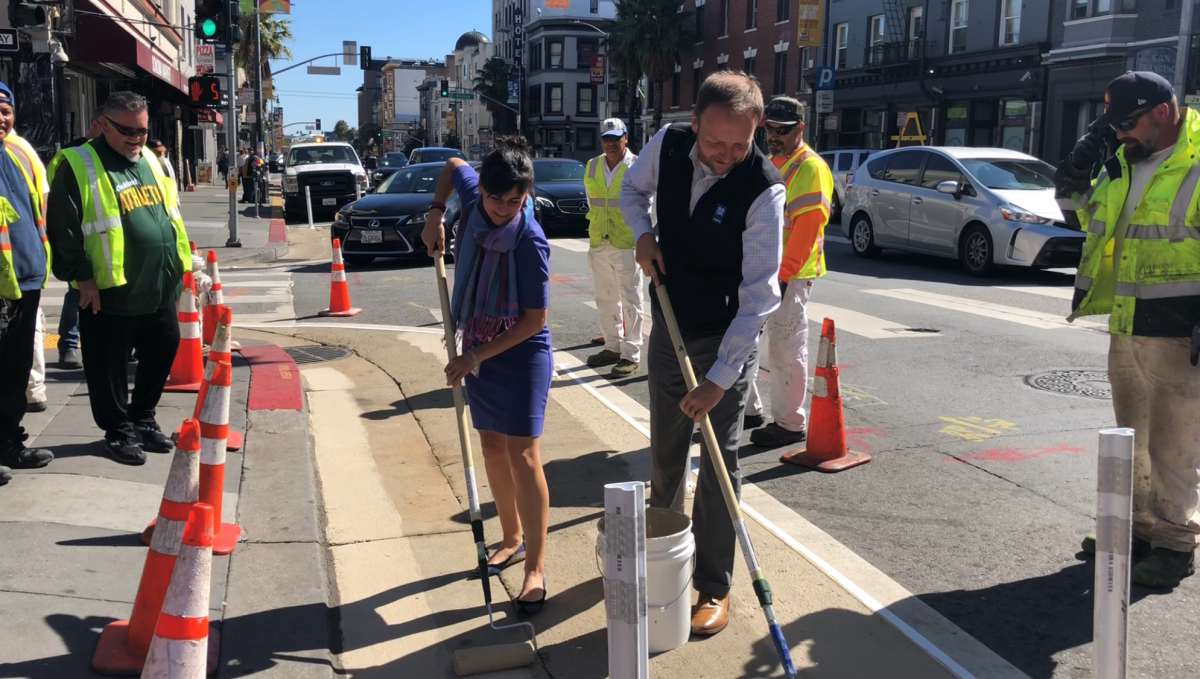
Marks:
<point>720,205</point>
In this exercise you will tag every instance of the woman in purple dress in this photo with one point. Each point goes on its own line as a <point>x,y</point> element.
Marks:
<point>499,300</point>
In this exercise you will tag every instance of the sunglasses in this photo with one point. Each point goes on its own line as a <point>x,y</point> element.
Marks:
<point>780,130</point>
<point>1130,122</point>
<point>128,131</point>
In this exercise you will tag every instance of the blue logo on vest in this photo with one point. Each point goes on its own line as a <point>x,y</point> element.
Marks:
<point>719,214</point>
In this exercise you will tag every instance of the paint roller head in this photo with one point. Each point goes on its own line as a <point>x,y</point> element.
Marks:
<point>468,661</point>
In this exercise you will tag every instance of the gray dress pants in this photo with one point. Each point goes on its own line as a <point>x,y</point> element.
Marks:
<point>671,434</point>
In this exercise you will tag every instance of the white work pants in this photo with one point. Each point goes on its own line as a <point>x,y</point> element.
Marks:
<point>787,358</point>
<point>36,391</point>
<point>619,283</point>
<point>1156,391</point>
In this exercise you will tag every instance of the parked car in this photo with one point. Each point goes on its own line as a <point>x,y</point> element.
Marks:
<point>843,163</point>
<point>560,199</point>
<point>276,162</point>
<point>329,171</point>
<point>387,222</point>
<point>987,207</point>
<point>387,165</point>
<point>434,154</point>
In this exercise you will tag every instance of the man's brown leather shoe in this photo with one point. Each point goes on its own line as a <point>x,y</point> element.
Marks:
<point>710,614</point>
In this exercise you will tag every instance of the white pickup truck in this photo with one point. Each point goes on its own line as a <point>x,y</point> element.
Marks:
<point>328,170</point>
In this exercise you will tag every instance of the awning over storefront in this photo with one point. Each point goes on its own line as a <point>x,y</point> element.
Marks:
<point>104,40</point>
<point>207,115</point>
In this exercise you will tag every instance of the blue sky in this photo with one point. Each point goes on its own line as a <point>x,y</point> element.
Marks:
<point>418,29</point>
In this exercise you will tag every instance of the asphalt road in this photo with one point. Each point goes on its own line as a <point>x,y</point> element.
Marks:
<point>980,487</point>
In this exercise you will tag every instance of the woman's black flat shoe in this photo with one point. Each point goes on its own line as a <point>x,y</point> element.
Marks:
<point>494,569</point>
<point>529,608</point>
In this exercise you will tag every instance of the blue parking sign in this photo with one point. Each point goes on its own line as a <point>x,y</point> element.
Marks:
<point>824,78</point>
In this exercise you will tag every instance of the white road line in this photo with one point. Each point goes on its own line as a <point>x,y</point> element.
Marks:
<point>861,324</point>
<point>604,390</point>
<point>590,302</point>
<point>278,283</point>
<point>987,309</point>
<point>1059,293</point>
<point>572,244</point>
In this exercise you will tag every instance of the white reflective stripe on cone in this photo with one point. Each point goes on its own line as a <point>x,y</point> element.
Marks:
<point>339,276</point>
<point>212,451</point>
<point>189,330</point>
<point>167,535</point>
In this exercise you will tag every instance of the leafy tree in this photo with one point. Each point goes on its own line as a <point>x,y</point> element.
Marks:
<point>369,135</point>
<point>492,83</point>
<point>341,130</point>
<point>648,38</point>
<point>411,143</point>
<point>452,141</point>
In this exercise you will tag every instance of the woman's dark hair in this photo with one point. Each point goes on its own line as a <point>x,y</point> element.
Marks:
<point>507,167</point>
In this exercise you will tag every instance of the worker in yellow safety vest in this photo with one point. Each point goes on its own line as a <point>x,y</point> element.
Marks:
<point>809,186</point>
<point>617,279</point>
<point>118,236</point>
<point>24,269</point>
<point>1141,265</point>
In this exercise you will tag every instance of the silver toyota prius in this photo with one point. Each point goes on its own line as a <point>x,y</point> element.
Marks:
<point>986,207</point>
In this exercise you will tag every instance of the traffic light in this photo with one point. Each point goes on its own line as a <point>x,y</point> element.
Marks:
<point>210,20</point>
<point>364,57</point>
<point>234,22</point>
<point>445,87</point>
<point>318,124</point>
<point>25,14</point>
<point>205,90</point>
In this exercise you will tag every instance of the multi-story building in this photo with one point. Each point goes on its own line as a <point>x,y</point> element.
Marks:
<point>370,93</point>
<point>472,118</point>
<point>1094,41</point>
<point>971,71</point>
<point>398,110</point>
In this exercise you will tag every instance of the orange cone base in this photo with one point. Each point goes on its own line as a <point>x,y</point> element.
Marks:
<point>233,442</point>
<point>800,457</point>
<point>193,387</point>
<point>348,312</point>
<point>224,541</point>
<point>113,659</point>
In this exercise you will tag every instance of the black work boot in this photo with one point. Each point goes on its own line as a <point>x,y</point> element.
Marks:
<point>153,439</point>
<point>775,436</point>
<point>124,449</point>
<point>1164,568</point>
<point>14,454</point>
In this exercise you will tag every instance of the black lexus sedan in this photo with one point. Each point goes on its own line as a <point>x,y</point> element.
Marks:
<point>560,200</point>
<point>387,222</point>
<point>386,165</point>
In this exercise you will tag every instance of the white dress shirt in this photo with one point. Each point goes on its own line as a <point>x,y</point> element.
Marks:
<point>762,251</point>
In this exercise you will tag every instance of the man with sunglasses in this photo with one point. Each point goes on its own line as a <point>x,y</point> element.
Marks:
<point>1141,265</point>
<point>809,186</point>
<point>118,237</point>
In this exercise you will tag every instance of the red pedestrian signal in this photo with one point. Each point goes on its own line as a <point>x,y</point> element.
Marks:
<point>205,90</point>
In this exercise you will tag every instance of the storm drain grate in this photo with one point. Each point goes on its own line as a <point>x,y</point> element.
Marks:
<point>316,354</point>
<point>1086,383</point>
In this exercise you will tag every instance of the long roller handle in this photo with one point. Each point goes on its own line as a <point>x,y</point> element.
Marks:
<point>761,588</point>
<point>464,433</point>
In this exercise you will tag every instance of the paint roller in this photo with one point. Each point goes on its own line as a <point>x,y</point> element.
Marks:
<point>468,661</point>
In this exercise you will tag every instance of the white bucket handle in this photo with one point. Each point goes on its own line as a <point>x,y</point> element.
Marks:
<point>600,572</point>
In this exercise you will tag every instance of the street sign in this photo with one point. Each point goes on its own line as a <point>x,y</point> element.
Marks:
<point>514,89</point>
<point>324,70</point>
<point>245,96</point>
<point>824,78</point>
<point>475,148</point>
<point>350,53</point>
<point>8,40</point>
<point>251,117</point>
<point>1191,99</point>
<point>206,58</point>
<point>596,69</point>
<point>387,134</point>
<point>462,95</point>
<point>309,128</point>
<point>824,101</point>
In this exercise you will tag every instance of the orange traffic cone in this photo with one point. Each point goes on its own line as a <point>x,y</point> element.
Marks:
<point>825,450</point>
<point>216,299</point>
<point>339,294</point>
<point>214,428</point>
<point>187,371</point>
<point>124,643</point>
<point>183,646</point>
<point>219,350</point>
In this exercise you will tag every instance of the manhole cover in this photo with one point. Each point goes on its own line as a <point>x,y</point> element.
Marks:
<point>1086,383</point>
<point>316,354</point>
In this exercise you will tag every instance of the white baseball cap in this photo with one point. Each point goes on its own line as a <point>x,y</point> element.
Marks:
<point>613,127</point>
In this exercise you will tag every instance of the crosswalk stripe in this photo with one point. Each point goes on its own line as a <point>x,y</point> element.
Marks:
<point>239,300</point>
<point>281,283</point>
<point>1058,293</point>
<point>860,324</point>
<point>283,312</point>
<point>987,309</point>
<point>572,244</point>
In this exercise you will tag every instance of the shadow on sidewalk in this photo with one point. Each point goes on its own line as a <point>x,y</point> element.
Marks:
<point>79,635</point>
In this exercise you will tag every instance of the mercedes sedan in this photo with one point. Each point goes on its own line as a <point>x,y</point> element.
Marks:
<point>560,199</point>
<point>986,207</point>
<point>387,222</point>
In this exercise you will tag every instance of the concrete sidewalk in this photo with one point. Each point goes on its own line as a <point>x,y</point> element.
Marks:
<point>390,470</point>
<point>260,228</point>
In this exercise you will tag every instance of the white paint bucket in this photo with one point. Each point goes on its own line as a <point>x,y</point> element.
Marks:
<point>670,548</point>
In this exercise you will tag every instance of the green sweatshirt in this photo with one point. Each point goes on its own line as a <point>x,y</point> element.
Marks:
<point>152,269</point>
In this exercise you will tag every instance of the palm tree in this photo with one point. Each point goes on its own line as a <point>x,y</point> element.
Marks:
<point>492,83</point>
<point>647,38</point>
<point>276,33</point>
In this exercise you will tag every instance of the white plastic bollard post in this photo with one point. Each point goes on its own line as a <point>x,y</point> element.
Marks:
<point>1114,542</point>
<point>357,190</point>
<point>308,203</point>
<point>625,574</point>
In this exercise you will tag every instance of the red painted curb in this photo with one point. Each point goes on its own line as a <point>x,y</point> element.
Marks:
<point>274,379</point>
<point>277,232</point>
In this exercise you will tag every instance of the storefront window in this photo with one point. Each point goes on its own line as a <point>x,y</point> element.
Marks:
<point>956,125</point>
<point>1012,130</point>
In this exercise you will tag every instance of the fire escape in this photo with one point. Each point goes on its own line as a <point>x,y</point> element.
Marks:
<point>898,49</point>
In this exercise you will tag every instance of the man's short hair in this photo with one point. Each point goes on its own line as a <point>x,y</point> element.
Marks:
<point>97,114</point>
<point>124,101</point>
<point>736,90</point>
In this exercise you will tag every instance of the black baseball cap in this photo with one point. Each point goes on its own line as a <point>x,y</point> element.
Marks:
<point>784,111</point>
<point>1133,91</point>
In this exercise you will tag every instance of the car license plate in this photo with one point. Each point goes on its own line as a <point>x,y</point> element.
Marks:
<point>329,201</point>
<point>371,236</point>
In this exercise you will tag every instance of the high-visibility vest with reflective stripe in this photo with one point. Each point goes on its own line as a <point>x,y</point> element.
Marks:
<point>103,232</point>
<point>1160,254</point>
<point>806,192</point>
<point>35,178</point>
<point>604,206</point>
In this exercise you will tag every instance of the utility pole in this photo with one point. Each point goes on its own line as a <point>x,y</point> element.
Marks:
<point>231,132</point>
<point>1183,54</point>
